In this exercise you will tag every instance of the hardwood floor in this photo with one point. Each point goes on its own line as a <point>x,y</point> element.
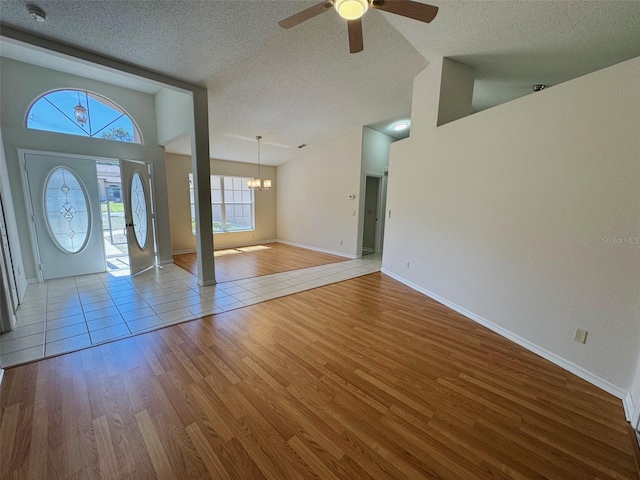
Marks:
<point>247,264</point>
<point>364,379</point>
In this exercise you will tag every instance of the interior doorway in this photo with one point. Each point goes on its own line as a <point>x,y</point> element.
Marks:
<point>372,205</point>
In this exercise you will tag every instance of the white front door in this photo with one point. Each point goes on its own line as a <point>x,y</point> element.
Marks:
<point>63,194</point>
<point>136,188</point>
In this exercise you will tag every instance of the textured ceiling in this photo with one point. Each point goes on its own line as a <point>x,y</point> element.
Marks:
<point>302,86</point>
<point>43,58</point>
<point>517,43</point>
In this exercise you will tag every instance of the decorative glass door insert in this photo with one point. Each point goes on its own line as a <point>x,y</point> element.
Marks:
<point>66,208</point>
<point>62,192</point>
<point>138,213</point>
<point>139,210</point>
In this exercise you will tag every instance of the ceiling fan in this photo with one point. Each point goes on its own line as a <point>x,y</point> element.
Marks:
<point>353,10</point>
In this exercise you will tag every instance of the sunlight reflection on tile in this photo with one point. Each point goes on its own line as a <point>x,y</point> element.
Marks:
<point>73,313</point>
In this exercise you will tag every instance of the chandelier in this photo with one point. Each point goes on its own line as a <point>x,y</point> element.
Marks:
<point>258,183</point>
<point>81,113</point>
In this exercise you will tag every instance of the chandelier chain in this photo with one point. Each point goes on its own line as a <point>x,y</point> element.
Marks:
<point>258,138</point>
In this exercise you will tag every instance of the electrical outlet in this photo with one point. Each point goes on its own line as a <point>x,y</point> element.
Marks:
<point>407,264</point>
<point>581,336</point>
<point>341,242</point>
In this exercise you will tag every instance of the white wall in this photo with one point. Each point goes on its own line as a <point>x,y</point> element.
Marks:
<point>174,114</point>
<point>11,225</point>
<point>312,196</point>
<point>456,92</point>
<point>504,214</point>
<point>182,240</point>
<point>375,158</point>
<point>634,397</point>
<point>7,314</point>
<point>21,84</point>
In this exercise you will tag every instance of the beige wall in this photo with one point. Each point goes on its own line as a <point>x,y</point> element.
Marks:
<point>314,208</point>
<point>505,214</point>
<point>182,240</point>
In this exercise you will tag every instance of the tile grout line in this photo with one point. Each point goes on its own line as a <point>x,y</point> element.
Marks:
<point>319,276</point>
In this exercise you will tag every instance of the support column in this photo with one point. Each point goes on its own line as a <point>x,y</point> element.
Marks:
<point>201,166</point>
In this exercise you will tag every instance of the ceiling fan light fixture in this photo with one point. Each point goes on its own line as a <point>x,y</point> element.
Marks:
<point>351,9</point>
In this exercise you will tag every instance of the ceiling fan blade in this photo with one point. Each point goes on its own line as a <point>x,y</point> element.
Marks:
<point>355,35</point>
<point>310,12</point>
<point>407,8</point>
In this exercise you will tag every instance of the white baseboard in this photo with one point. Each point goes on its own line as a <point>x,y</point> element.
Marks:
<point>532,347</point>
<point>181,252</point>
<point>165,262</point>
<point>317,249</point>
<point>22,289</point>
<point>629,409</point>
<point>1,376</point>
<point>32,280</point>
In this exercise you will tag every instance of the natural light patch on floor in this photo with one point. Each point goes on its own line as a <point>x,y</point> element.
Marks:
<point>234,251</point>
<point>222,253</point>
<point>118,264</point>
<point>68,314</point>
<point>253,248</point>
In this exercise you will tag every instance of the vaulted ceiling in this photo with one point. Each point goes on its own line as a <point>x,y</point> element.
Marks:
<point>302,85</point>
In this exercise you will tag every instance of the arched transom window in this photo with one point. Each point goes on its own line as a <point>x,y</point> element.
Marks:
<point>78,112</point>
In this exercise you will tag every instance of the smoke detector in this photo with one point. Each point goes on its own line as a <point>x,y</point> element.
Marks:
<point>37,13</point>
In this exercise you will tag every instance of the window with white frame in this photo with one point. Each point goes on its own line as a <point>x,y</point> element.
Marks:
<point>232,204</point>
<point>78,112</point>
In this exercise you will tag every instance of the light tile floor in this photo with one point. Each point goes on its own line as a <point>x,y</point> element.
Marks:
<point>64,315</point>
